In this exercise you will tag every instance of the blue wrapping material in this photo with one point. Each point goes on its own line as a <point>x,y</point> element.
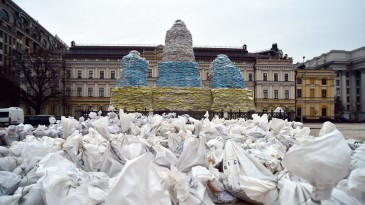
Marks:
<point>133,71</point>
<point>178,74</point>
<point>224,74</point>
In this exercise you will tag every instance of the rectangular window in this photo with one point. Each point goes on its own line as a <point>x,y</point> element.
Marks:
<point>337,82</point>
<point>299,93</point>
<point>89,92</point>
<point>276,94</point>
<point>338,91</point>
<point>311,93</point>
<point>111,92</point>
<point>347,91</point>
<point>324,82</point>
<point>264,76</point>
<point>68,92</point>
<point>112,74</point>
<point>357,82</point>
<point>68,110</point>
<point>324,93</point>
<point>101,92</point>
<point>286,77</point>
<point>68,74</point>
<point>91,74</point>
<point>299,111</point>
<point>347,83</point>
<point>250,77</point>
<point>89,108</point>
<point>101,108</point>
<point>358,91</point>
<point>265,94</point>
<point>79,92</point>
<point>324,112</point>
<point>286,94</point>
<point>79,74</point>
<point>276,76</point>
<point>150,73</point>
<point>53,109</point>
<point>347,74</point>
<point>101,74</point>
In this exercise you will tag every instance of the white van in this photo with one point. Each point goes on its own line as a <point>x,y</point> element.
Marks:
<point>11,116</point>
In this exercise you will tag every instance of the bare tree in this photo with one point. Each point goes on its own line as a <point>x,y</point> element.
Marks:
<point>42,75</point>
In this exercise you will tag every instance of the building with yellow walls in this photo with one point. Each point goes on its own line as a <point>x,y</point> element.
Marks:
<point>315,94</point>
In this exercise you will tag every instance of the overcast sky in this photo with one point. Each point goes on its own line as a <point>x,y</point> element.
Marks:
<point>299,27</point>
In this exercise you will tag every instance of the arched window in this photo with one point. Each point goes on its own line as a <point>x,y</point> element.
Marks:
<point>4,15</point>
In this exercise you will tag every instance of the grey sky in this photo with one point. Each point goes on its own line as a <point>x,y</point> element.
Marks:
<point>300,27</point>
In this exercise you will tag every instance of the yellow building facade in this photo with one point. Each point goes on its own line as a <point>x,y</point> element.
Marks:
<point>315,94</point>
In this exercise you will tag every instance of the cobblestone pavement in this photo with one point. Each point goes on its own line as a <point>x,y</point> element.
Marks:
<point>349,130</point>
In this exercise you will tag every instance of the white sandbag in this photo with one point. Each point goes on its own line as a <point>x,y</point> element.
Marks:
<point>246,178</point>
<point>358,158</point>
<point>132,150</point>
<point>27,171</point>
<point>9,182</point>
<point>322,162</point>
<point>193,154</point>
<point>186,190</point>
<point>164,157</point>
<point>10,199</point>
<point>8,163</point>
<point>3,151</point>
<point>139,184</point>
<point>350,190</point>
<point>68,125</point>
<point>292,192</point>
<point>277,124</point>
<point>90,157</point>
<point>125,120</point>
<point>327,128</point>
<point>112,161</point>
<point>31,195</point>
<point>215,189</point>
<point>175,143</point>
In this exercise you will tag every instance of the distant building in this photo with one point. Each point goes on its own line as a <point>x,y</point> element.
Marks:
<point>315,94</point>
<point>19,34</point>
<point>92,71</point>
<point>349,68</point>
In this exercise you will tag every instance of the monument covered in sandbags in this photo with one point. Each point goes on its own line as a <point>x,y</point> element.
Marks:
<point>133,70</point>
<point>178,68</point>
<point>178,84</point>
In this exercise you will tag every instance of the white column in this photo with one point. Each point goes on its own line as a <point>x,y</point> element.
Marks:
<point>343,87</point>
<point>362,92</point>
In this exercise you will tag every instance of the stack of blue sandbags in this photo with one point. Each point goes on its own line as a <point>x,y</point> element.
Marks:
<point>133,70</point>
<point>178,74</point>
<point>224,74</point>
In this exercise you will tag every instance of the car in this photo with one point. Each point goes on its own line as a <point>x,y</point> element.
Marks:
<point>39,119</point>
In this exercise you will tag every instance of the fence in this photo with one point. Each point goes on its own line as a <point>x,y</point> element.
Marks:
<point>285,115</point>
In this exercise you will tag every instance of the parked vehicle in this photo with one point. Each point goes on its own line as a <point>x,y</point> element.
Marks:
<point>11,116</point>
<point>40,119</point>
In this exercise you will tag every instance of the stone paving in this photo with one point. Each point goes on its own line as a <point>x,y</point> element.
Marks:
<point>349,130</point>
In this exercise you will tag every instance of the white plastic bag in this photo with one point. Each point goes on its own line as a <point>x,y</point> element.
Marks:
<point>139,183</point>
<point>193,154</point>
<point>246,178</point>
<point>9,182</point>
<point>322,162</point>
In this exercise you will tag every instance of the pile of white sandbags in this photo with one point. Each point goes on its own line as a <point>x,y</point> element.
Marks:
<point>136,159</point>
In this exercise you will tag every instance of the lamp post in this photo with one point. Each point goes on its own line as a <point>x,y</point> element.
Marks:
<point>302,103</point>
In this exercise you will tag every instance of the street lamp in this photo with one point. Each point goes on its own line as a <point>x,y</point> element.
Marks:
<point>302,103</point>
